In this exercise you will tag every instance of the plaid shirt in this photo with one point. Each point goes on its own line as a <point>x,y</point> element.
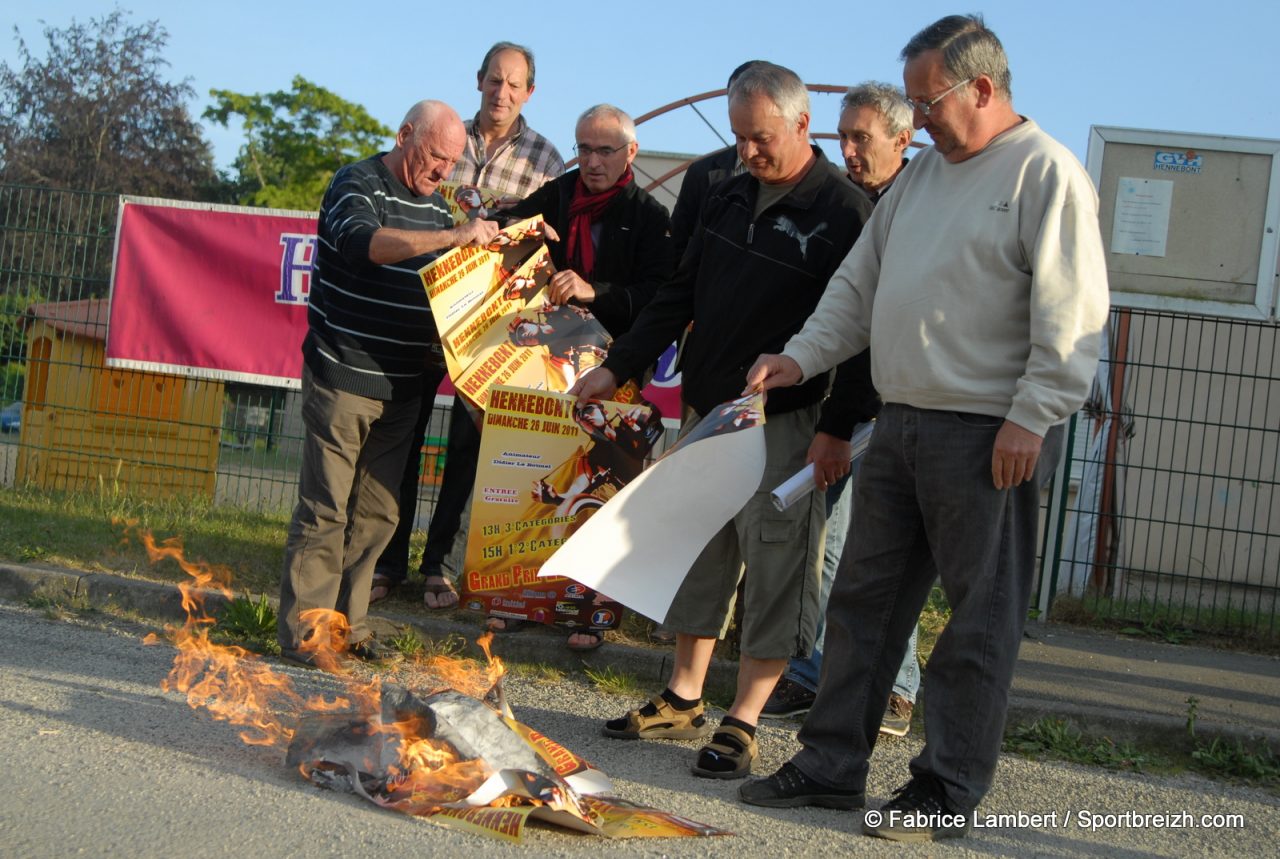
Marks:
<point>521,165</point>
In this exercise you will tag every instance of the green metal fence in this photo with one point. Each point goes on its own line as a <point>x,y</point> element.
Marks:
<point>1169,513</point>
<point>235,444</point>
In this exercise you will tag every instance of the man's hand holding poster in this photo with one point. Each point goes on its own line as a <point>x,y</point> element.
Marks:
<point>497,326</point>
<point>639,548</point>
<point>547,465</point>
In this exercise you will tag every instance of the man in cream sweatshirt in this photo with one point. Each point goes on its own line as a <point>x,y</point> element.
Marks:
<point>980,284</point>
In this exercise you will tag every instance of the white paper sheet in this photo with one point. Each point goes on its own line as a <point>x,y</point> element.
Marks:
<point>1141,223</point>
<point>638,547</point>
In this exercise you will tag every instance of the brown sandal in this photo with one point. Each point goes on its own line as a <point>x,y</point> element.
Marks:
<point>381,587</point>
<point>741,752</point>
<point>439,589</point>
<point>668,723</point>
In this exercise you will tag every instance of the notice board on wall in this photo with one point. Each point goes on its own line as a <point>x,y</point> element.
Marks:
<point>1190,221</point>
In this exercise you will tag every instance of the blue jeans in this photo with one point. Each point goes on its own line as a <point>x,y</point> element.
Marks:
<point>806,671</point>
<point>925,507</point>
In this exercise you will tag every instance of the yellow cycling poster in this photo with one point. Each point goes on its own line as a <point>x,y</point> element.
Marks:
<point>547,464</point>
<point>496,324</point>
<point>471,202</point>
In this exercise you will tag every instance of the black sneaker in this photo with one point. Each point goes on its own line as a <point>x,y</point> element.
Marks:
<point>897,716</point>
<point>918,812</point>
<point>374,651</point>
<point>791,788</point>
<point>787,699</point>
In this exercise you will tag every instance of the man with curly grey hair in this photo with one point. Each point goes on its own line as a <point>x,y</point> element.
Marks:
<point>875,130</point>
<point>981,286</point>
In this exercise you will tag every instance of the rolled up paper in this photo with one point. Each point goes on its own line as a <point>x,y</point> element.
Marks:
<point>802,483</point>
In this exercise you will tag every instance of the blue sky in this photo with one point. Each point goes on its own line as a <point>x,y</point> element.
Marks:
<point>1174,65</point>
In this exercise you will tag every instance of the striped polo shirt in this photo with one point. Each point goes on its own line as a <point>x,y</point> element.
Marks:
<point>370,326</point>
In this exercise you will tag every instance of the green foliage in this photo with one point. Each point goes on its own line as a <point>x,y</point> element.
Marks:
<point>1193,712</point>
<point>1161,629</point>
<point>13,304</point>
<point>61,607</point>
<point>539,672</point>
<point>12,378</point>
<point>1225,759</point>
<point>452,646</point>
<point>610,681</point>
<point>1060,739</point>
<point>1234,760</point>
<point>295,141</point>
<point>1228,626</point>
<point>252,620</point>
<point>96,113</point>
<point>407,642</point>
<point>249,623</point>
<point>82,531</point>
<point>933,619</point>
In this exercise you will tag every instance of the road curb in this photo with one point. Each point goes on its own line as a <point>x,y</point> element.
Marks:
<point>163,602</point>
<point>650,666</point>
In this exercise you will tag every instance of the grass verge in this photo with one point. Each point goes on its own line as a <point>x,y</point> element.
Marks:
<point>87,531</point>
<point>1224,760</point>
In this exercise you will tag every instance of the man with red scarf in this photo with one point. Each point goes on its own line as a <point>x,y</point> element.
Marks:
<point>612,241</point>
<point>614,245</point>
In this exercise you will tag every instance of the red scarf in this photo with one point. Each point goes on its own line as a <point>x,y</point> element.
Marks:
<point>585,209</point>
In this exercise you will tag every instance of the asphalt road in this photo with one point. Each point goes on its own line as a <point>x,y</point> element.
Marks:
<point>100,762</point>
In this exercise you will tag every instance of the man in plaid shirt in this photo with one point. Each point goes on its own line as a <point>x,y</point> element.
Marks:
<point>503,153</point>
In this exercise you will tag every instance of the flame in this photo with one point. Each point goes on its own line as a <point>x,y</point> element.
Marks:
<point>496,669</point>
<point>228,681</point>
<point>238,687</point>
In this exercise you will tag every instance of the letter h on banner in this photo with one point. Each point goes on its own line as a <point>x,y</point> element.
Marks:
<point>296,262</point>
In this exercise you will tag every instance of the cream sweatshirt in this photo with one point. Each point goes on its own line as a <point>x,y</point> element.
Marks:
<point>979,286</point>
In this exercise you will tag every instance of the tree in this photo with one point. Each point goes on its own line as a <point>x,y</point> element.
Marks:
<point>295,142</point>
<point>97,114</point>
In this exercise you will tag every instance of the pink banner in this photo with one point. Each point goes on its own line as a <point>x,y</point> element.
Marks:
<point>216,291</point>
<point>220,292</point>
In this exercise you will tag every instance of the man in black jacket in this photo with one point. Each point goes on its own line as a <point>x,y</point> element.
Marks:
<point>759,259</point>
<point>614,239</point>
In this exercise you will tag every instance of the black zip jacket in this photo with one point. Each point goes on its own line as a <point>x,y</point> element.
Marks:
<point>703,174</point>
<point>748,285</point>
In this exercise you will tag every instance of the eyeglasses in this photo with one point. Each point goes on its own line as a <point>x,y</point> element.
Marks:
<point>585,152</point>
<point>926,107</point>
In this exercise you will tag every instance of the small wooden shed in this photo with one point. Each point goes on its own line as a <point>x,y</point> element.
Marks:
<point>86,426</point>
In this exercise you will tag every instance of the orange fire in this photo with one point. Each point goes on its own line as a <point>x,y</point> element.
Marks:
<point>411,747</point>
<point>238,687</point>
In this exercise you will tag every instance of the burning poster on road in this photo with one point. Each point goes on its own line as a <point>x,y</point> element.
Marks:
<point>440,742</point>
<point>547,464</point>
